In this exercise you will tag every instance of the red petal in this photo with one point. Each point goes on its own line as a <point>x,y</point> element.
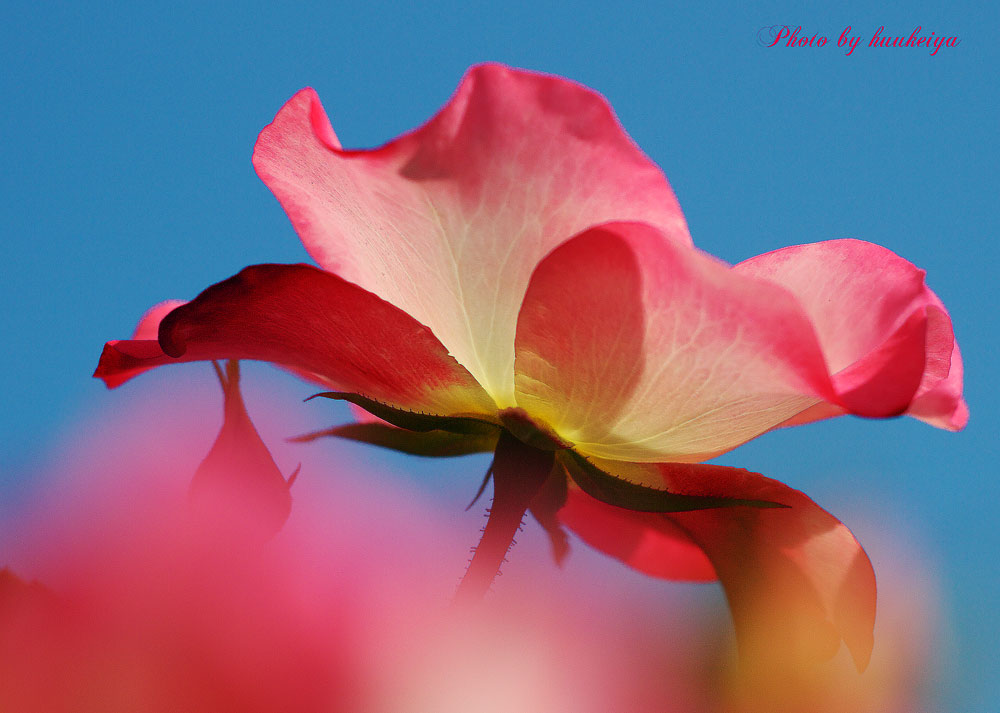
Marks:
<point>310,321</point>
<point>887,338</point>
<point>447,222</point>
<point>145,331</point>
<point>647,542</point>
<point>637,349</point>
<point>796,579</point>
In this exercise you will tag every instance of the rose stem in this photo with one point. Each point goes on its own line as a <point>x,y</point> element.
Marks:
<point>519,471</point>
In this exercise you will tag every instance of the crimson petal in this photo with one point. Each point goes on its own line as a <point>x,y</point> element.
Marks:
<point>315,323</point>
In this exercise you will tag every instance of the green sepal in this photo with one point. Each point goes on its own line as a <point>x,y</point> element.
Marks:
<point>642,498</point>
<point>433,444</point>
<point>412,420</point>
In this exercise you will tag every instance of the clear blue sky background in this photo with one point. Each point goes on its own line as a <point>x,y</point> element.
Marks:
<point>126,179</point>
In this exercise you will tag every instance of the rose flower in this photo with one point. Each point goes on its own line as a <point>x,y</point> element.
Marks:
<point>516,276</point>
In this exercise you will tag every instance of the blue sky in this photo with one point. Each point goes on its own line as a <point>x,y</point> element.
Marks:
<point>127,131</point>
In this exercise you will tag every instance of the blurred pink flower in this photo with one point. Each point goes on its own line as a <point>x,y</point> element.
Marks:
<point>147,601</point>
<point>145,605</point>
<point>517,276</point>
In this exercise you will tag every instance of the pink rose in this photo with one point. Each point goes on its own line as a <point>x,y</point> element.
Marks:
<point>516,275</point>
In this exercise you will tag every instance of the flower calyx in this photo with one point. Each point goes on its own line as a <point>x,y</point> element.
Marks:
<point>531,432</point>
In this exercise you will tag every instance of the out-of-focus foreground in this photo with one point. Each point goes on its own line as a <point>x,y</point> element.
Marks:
<point>122,597</point>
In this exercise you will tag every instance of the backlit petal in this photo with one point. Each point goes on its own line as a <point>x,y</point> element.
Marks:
<point>941,404</point>
<point>448,222</point>
<point>310,321</point>
<point>647,542</point>
<point>637,349</point>
<point>887,338</point>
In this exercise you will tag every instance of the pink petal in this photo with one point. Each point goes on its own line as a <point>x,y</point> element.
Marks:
<point>941,404</point>
<point>313,322</point>
<point>637,349</point>
<point>886,337</point>
<point>796,579</point>
<point>447,222</point>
